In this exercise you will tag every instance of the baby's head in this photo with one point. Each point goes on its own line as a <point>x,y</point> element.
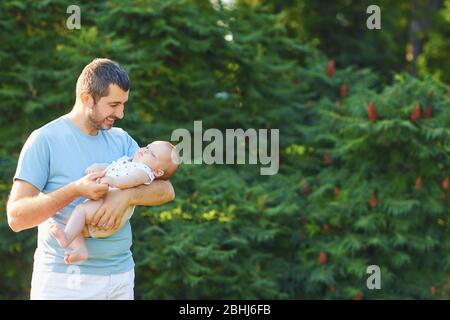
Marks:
<point>161,157</point>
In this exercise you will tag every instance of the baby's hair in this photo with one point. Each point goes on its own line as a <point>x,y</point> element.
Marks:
<point>171,167</point>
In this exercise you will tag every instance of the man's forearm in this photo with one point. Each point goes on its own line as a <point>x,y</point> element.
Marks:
<point>29,212</point>
<point>157,193</point>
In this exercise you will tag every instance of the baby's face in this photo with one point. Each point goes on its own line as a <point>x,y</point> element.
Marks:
<point>153,155</point>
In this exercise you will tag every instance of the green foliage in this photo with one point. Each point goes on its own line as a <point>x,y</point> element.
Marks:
<point>436,46</point>
<point>338,28</point>
<point>231,233</point>
<point>370,198</point>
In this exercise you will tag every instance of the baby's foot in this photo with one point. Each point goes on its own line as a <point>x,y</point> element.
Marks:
<point>75,256</point>
<point>55,230</point>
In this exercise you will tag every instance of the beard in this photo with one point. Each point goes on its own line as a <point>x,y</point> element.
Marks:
<point>96,121</point>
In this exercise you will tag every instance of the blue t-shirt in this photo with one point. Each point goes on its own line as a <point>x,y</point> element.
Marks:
<point>57,154</point>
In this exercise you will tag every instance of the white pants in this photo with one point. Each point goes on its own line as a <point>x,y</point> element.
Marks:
<point>73,286</point>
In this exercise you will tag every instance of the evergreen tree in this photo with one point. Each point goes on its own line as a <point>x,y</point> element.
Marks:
<point>384,200</point>
<point>363,175</point>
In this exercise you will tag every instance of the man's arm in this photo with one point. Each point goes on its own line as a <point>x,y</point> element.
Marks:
<point>27,207</point>
<point>155,194</point>
<point>109,216</point>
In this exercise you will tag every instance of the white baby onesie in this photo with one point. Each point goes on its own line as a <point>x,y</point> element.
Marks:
<point>122,166</point>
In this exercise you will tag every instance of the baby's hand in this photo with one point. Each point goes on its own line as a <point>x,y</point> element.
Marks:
<point>96,167</point>
<point>106,179</point>
<point>91,169</point>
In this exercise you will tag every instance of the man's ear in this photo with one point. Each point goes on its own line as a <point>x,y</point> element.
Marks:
<point>86,99</point>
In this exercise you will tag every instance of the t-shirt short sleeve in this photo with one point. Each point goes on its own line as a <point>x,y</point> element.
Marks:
<point>34,161</point>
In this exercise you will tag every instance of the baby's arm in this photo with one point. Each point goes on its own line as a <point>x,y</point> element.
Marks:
<point>96,167</point>
<point>134,178</point>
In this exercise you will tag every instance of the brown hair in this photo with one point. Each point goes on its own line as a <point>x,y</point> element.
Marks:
<point>98,75</point>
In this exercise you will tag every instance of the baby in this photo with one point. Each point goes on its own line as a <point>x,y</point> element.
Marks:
<point>158,160</point>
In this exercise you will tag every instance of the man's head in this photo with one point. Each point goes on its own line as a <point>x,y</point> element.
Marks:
<point>161,157</point>
<point>102,89</point>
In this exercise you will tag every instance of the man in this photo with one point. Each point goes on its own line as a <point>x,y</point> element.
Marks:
<point>50,182</point>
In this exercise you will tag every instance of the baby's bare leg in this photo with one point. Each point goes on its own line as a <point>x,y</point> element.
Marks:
<point>79,250</point>
<point>80,215</point>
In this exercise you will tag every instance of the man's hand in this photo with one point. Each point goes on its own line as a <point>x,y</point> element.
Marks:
<point>89,188</point>
<point>110,214</point>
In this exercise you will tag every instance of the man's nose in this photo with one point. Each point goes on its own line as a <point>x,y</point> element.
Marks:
<point>119,112</point>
